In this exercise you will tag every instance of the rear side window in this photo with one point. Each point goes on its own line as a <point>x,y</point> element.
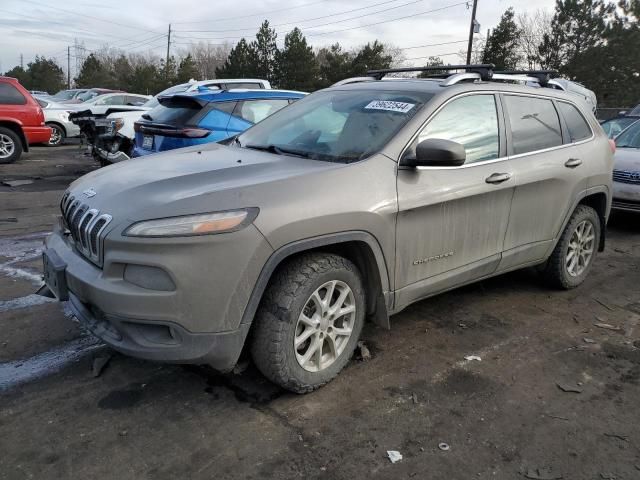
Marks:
<point>255,111</point>
<point>471,121</point>
<point>10,95</point>
<point>248,85</point>
<point>174,111</point>
<point>576,123</point>
<point>534,123</point>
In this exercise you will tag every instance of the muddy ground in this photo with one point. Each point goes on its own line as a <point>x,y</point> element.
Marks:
<point>504,417</point>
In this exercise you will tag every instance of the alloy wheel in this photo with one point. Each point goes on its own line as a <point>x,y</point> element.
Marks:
<point>324,326</point>
<point>7,146</point>
<point>581,247</point>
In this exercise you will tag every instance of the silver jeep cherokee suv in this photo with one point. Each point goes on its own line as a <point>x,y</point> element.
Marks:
<point>351,203</point>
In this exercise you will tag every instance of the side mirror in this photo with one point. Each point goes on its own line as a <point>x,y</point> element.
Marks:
<point>436,152</point>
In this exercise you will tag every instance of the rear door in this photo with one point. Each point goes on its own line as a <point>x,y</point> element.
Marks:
<point>452,220</point>
<point>549,171</point>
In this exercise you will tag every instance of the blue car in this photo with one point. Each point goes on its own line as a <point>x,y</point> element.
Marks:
<point>205,116</point>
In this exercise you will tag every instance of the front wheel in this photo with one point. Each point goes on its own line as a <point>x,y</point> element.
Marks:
<point>309,321</point>
<point>57,135</point>
<point>573,256</point>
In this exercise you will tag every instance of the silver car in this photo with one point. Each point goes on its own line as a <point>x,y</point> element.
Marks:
<point>56,116</point>
<point>626,170</point>
<point>348,205</point>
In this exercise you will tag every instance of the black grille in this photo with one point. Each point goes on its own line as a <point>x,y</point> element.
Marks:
<point>626,176</point>
<point>86,226</point>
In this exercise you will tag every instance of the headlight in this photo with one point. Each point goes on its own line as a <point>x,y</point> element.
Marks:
<point>188,225</point>
<point>117,124</point>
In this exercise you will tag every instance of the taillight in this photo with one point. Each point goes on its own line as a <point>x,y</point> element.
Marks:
<point>612,144</point>
<point>195,132</point>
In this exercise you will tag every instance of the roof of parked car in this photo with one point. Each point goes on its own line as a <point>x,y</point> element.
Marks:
<point>239,94</point>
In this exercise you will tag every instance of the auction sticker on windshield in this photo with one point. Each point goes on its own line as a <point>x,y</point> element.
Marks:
<point>400,107</point>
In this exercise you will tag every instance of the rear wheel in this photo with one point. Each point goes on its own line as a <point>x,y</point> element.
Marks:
<point>10,146</point>
<point>57,135</point>
<point>309,322</point>
<point>573,256</point>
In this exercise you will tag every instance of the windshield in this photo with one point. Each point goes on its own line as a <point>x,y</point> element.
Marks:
<point>65,94</point>
<point>630,138</point>
<point>336,125</point>
<point>614,126</point>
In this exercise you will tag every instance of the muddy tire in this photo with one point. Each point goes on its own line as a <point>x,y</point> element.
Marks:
<point>10,145</point>
<point>309,321</point>
<point>571,260</point>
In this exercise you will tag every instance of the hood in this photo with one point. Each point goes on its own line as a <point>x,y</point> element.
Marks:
<point>627,159</point>
<point>191,180</point>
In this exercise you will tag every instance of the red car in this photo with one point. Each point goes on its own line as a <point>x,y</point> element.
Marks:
<point>21,121</point>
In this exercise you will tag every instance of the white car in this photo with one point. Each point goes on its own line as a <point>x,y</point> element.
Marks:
<point>626,170</point>
<point>120,100</point>
<point>120,124</point>
<point>56,116</point>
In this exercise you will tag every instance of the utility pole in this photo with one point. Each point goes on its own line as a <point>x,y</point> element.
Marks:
<point>21,61</point>
<point>471,30</point>
<point>68,66</point>
<point>166,65</point>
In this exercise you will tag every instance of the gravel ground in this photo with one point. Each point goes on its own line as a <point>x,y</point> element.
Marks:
<point>553,396</point>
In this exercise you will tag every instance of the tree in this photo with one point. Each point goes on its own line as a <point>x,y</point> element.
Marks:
<point>208,57</point>
<point>93,74</point>
<point>296,66</point>
<point>433,62</point>
<point>22,76</point>
<point>241,62</point>
<point>45,75</point>
<point>334,65</point>
<point>370,57</point>
<point>187,70</point>
<point>266,50</point>
<point>501,47</point>
<point>534,29</point>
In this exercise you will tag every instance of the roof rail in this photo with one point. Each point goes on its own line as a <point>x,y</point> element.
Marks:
<point>484,70</point>
<point>541,76</point>
<point>353,80</point>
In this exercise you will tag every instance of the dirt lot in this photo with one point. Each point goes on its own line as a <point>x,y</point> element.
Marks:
<point>504,417</point>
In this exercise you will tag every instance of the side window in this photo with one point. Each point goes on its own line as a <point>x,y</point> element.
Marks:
<point>534,123</point>
<point>136,100</point>
<point>255,111</point>
<point>471,121</point>
<point>218,115</point>
<point>248,85</point>
<point>10,95</point>
<point>576,124</point>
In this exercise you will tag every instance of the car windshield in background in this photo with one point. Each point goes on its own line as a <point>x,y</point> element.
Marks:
<point>615,126</point>
<point>64,95</point>
<point>336,125</point>
<point>630,138</point>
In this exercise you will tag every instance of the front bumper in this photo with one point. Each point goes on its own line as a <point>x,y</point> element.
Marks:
<point>196,321</point>
<point>626,197</point>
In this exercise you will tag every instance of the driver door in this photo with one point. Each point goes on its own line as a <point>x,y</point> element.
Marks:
<point>452,220</point>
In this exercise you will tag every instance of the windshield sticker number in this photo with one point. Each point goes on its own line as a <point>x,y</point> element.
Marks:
<point>400,107</point>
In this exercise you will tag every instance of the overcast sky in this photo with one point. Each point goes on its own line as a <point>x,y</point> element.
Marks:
<point>46,27</point>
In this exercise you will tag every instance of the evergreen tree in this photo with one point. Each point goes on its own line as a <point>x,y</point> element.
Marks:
<point>433,62</point>
<point>187,70</point>
<point>93,74</point>
<point>45,75</point>
<point>242,62</point>
<point>296,66</point>
<point>21,75</point>
<point>371,57</point>
<point>334,65</point>
<point>266,50</point>
<point>501,47</point>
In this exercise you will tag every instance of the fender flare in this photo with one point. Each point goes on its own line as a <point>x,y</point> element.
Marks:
<point>277,257</point>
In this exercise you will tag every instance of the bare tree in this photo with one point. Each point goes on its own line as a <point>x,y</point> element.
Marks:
<point>533,29</point>
<point>207,57</point>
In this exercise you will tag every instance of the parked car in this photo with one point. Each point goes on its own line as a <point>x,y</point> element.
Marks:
<point>614,126</point>
<point>187,119</point>
<point>39,92</point>
<point>626,170</point>
<point>56,116</point>
<point>64,95</point>
<point>351,203</point>
<point>21,121</point>
<point>100,104</point>
<point>112,135</point>
<point>89,95</point>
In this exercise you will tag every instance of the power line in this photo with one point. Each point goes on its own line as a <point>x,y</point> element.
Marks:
<point>432,45</point>
<point>252,15</point>
<point>295,22</point>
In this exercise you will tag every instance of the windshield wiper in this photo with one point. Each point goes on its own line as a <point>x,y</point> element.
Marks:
<point>279,150</point>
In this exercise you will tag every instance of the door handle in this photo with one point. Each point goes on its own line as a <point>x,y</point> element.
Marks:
<point>498,177</point>
<point>573,163</point>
